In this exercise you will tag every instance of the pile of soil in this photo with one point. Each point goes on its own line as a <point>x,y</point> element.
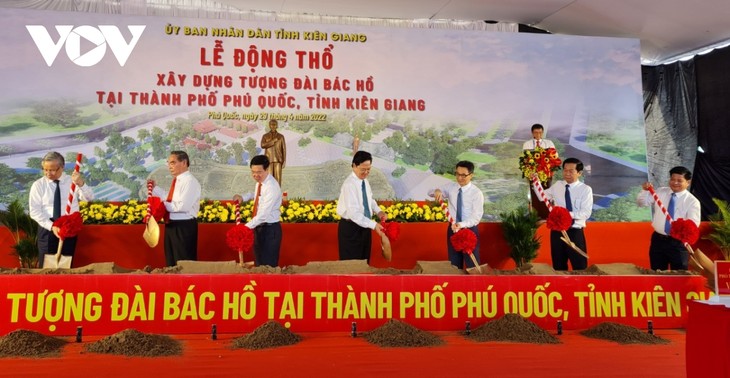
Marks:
<point>436,267</point>
<point>622,334</point>
<point>328,267</point>
<point>512,327</point>
<point>131,342</point>
<point>396,333</point>
<point>23,343</point>
<point>269,335</point>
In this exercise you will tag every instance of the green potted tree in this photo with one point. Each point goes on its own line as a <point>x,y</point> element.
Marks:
<point>720,228</point>
<point>24,231</point>
<point>520,232</point>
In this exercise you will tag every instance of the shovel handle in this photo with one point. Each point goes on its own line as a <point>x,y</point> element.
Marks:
<point>58,252</point>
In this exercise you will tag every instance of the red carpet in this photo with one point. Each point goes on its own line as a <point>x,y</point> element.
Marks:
<point>339,355</point>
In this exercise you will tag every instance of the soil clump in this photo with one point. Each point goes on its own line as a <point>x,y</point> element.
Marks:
<point>512,327</point>
<point>396,333</point>
<point>24,343</point>
<point>131,342</point>
<point>622,334</point>
<point>269,335</point>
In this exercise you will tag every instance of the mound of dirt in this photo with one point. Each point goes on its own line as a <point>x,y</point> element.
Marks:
<point>512,327</point>
<point>436,267</point>
<point>396,333</point>
<point>330,267</point>
<point>131,342</point>
<point>269,335</point>
<point>622,334</point>
<point>23,343</point>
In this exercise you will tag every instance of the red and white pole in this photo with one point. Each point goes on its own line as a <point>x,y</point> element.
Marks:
<point>73,185</point>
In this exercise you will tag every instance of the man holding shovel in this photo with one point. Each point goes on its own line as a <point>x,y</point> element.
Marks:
<point>46,205</point>
<point>466,206</point>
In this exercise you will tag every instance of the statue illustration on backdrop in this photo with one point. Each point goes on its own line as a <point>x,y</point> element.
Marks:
<point>275,146</point>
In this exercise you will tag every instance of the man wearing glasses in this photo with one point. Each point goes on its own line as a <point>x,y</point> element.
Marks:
<point>466,207</point>
<point>47,202</point>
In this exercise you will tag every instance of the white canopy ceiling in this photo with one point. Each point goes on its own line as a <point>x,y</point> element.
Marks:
<point>667,28</point>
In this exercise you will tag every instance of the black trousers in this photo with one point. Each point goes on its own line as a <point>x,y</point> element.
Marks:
<point>354,242</point>
<point>458,258</point>
<point>181,241</point>
<point>667,251</point>
<point>561,252</point>
<point>267,243</point>
<point>48,244</point>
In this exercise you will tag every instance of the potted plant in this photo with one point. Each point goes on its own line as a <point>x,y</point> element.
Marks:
<point>520,232</point>
<point>24,231</point>
<point>720,228</point>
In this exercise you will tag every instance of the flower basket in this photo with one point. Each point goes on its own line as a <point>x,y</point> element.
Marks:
<point>542,162</point>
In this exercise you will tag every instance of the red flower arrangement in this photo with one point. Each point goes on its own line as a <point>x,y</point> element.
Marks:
<point>391,230</point>
<point>156,208</point>
<point>69,225</point>
<point>559,219</point>
<point>685,231</point>
<point>465,241</point>
<point>540,161</point>
<point>240,238</point>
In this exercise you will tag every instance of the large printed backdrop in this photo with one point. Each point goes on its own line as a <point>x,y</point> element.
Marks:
<point>126,90</point>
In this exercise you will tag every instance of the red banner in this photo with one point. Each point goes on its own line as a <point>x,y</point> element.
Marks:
<point>174,304</point>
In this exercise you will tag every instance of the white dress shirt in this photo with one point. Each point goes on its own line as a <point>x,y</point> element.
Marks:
<point>532,144</point>
<point>185,202</point>
<point>581,198</point>
<point>350,205</point>
<point>41,199</point>
<point>686,206</point>
<point>269,206</point>
<point>472,203</point>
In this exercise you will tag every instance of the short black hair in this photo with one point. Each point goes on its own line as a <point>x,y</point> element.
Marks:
<point>181,156</point>
<point>361,157</point>
<point>537,126</point>
<point>679,170</point>
<point>261,160</point>
<point>578,163</point>
<point>466,164</point>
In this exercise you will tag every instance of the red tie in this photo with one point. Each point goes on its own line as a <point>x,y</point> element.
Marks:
<point>172,189</point>
<point>256,201</point>
<point>537,143</point>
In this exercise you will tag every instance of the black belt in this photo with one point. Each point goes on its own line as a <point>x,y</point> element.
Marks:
<point>181,220</point>
<point>267,224</point>
<point>663,236</point>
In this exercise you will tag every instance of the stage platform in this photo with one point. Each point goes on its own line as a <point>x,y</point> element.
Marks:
<point>620,242</point>
<point>237,303</point>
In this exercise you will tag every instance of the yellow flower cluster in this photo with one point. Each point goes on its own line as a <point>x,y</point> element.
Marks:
<point>294,211</point>
<point>413,212</point>
<point>129,212</point>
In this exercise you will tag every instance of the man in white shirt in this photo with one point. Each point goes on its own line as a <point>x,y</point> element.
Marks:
<point>577,197</point>
<point>466,206</point>
<point>266,213</point>
<point>47,202</point>
<point>182,204</point>
<point>356,207</point>
<point>665,251</point>
<point>537,141</point>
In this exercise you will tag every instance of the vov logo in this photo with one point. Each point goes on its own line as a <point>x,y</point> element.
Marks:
<point>71,38</point>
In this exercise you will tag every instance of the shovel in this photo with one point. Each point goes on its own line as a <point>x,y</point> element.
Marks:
<point>57,260</point>
<point>151,233</point>
<point>386,250</point>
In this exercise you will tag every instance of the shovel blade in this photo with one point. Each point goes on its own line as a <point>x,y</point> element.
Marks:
<point>57,262</point>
